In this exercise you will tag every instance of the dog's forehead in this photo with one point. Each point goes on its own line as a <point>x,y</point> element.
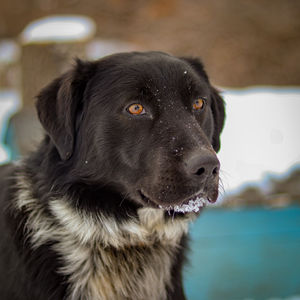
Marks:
<point>162,75</point>
<point>151,69</point>
<point>159,70</point>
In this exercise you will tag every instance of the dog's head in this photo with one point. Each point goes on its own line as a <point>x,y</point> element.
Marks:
<point>146,123</point>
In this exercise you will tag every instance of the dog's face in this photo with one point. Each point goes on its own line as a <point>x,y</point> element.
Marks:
<point>146,123</point>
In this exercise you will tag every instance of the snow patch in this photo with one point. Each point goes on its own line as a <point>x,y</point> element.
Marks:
<point>191,206</point>
<point>67,28</point>
<point>9,51</point>
<point>100,48</point>
<point>261,134</point>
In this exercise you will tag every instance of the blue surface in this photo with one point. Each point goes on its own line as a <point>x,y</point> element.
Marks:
<point>245,254</point>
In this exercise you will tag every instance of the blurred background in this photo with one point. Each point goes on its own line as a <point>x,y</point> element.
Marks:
<point>247,246</point>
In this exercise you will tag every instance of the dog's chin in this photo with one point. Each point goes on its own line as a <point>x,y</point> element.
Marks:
<point>192,204</point>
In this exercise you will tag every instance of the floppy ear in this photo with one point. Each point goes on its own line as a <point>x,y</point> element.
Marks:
<point>59,102</point>
<point>217,105</point>
<point>218,111</point>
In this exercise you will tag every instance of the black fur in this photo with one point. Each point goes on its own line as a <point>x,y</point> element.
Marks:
<point>107,160</point>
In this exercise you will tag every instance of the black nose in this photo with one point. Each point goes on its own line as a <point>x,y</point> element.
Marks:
<point>203,164</point>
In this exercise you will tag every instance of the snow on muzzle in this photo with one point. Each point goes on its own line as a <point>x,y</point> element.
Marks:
<point>193,205</point>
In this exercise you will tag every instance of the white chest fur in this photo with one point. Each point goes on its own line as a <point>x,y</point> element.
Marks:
<point>105,259</point>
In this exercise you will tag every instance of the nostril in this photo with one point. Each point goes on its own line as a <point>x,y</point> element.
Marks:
<point>200,171</point>
<point>215,171</point>
<point>203,164</point>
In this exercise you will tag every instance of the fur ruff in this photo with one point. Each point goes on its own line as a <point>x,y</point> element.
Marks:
<point>102,258</point>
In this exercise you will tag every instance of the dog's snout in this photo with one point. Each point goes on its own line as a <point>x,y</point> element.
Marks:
<point>204,164</point>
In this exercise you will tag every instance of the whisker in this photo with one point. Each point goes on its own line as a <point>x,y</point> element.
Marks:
<point>123,199</point>
<point>173,216</point>
<point>221,187</point>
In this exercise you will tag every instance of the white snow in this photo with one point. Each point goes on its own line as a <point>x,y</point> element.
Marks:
<point>261,134</point>
<point>63,28</point>
<point>191,206</point>
<point>9,51</point>
<point>99,48</point>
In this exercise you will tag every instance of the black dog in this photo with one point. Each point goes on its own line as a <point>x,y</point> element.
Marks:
<point>101,209</point>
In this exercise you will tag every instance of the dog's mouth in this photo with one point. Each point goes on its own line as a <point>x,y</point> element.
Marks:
<point>192,204</point>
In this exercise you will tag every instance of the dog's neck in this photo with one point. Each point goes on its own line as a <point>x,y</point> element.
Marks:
<point>104,258</point>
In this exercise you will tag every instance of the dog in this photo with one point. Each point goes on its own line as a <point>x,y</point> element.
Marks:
<point>101,209</point>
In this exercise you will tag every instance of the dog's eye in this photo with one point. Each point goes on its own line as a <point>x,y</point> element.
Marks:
<point>199,104</point>
<point>136,109</point>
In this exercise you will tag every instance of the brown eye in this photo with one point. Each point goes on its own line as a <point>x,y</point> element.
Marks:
<point>198,104</point>
<point>136,109</point>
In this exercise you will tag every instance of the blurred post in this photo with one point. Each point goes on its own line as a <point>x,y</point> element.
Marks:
<point>48,48</point>
<point>9,64</point>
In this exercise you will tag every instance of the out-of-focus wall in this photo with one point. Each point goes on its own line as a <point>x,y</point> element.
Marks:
<point>241,42</point>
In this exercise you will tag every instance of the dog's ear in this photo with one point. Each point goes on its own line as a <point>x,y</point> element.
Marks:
<point>218,111</point>
<point>197,66</point>
<point>59,102</point>
<point>217,106</point>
